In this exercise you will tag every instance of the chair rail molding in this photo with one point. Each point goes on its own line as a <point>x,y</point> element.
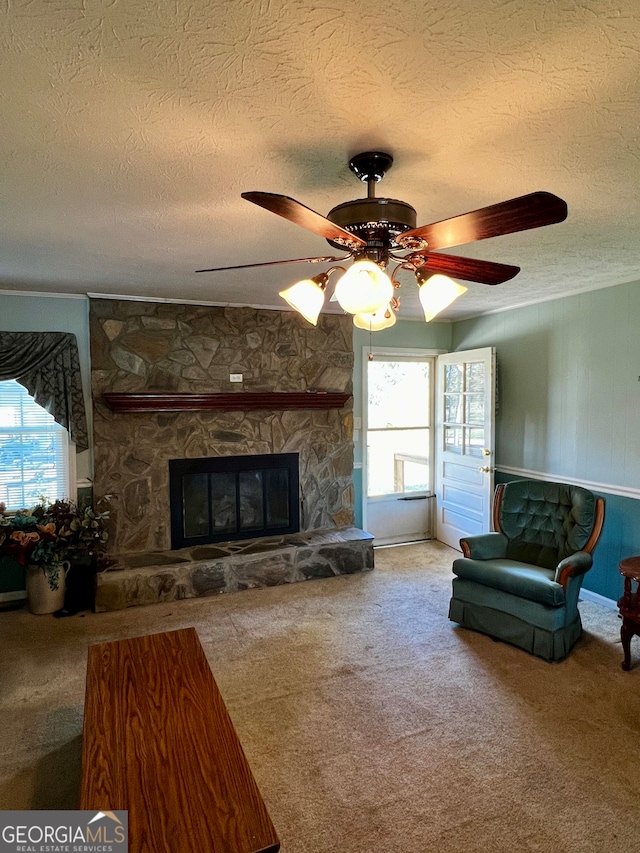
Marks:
<point>607,488</point>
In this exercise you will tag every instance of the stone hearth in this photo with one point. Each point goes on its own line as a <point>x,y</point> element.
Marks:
<point>137,579</point>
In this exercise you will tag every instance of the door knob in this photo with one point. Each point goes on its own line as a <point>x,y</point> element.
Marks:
<point>485,469</point>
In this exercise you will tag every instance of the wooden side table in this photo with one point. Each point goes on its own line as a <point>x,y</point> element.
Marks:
<point>629,606</point>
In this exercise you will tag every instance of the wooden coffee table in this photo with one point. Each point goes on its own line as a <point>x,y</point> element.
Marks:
<point>159,742</point>
<point>629,606</point>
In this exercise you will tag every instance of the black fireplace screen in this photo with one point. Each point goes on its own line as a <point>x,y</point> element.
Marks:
<point>233,497</point>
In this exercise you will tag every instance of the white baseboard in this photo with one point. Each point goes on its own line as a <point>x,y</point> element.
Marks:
<point>598,599</point>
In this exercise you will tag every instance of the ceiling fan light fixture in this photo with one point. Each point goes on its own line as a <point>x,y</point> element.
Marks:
<point>384,318</point>
<point>437,292</point>
<point>364,288</point>
<point>306,297</point>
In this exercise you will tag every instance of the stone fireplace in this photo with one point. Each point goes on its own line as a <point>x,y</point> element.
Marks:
<point>170,349</point>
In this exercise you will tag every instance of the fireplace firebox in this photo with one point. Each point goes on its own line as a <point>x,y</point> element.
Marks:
<point>222,498</point>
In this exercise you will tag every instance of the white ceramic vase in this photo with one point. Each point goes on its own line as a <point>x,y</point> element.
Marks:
<point>40,597</point>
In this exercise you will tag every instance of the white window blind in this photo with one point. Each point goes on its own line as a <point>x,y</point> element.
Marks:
<point>34,450</point>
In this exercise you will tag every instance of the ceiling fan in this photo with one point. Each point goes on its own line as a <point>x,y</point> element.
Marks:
<point>377,232</point>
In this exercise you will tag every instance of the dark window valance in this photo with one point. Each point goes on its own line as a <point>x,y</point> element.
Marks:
<point>48,366</point>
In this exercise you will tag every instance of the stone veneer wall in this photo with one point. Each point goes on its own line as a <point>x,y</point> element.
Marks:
<point>140,346</point>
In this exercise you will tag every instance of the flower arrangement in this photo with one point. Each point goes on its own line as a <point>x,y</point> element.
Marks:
<point>52,532</point>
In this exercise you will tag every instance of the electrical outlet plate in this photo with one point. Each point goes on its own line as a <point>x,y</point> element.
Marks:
<point>235,377</point>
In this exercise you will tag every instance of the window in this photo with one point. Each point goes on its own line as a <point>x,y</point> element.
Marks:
<point>34,450</point>
<point>398,425</point>
<point>464,402</point>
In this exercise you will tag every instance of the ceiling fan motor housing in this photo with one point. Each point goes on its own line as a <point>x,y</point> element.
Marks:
<point>377,220</point>
<point>371,165</point>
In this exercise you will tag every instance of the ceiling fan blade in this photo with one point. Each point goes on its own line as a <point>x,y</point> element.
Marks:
<point>301,215</point>
<point>507,217</point>
<point>325,259</point>
<point>468,269</point>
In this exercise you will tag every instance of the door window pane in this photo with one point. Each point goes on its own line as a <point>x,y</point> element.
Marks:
<point>397,461</point>
<point>415,475</point>
<point>453,439</point>
<point>398,425</point>
<point>474,376</point>
<point>452,378</point>
<point>453,408</point>
<point>474,442</point>
<point>474,405</point>
<point>398,394</point>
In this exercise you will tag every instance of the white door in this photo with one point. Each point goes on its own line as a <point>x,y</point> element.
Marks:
<point>464,444</point>
<point>398,472</point>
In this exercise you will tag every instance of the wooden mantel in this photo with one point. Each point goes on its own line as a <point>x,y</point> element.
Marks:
<point>239,400</point>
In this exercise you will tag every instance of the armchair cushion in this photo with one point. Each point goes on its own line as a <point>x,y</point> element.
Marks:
<point>530,582</point>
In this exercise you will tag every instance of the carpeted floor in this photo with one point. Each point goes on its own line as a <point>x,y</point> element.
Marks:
<point>371,722</point>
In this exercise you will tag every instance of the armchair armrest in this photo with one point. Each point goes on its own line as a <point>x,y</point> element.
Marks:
<point>576,564</point>
<point>488,546</point>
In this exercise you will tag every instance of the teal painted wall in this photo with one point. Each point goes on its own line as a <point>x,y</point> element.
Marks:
<point>357,490</point>
<point>569,403</point>
<point>34,313</point>
<point>405,333</point>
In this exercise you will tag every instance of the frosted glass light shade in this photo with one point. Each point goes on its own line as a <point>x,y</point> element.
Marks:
<point>382,319</point>
<point>437,293</point>
<point>307,297</point>
<point>364,288</point>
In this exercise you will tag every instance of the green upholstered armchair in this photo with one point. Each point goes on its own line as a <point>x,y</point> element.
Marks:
<point>521,583</point>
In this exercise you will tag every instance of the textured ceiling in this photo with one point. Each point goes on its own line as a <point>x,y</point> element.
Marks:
<point>130,128</point>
